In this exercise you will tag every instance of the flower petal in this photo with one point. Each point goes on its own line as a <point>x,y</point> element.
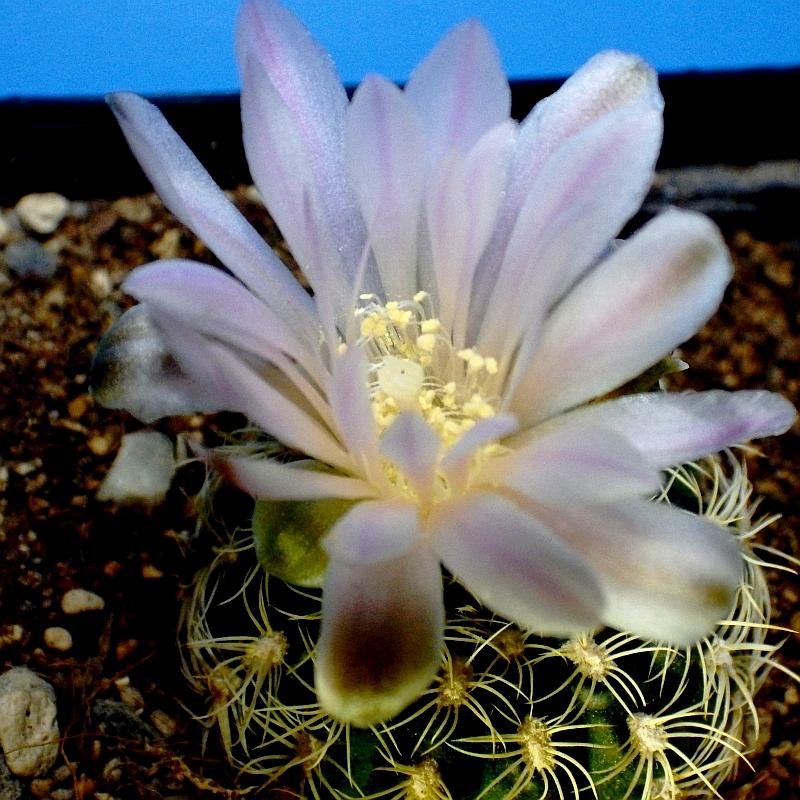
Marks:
<point>648,297</point>
<point>265,478</point>
<point>674,428</point>
<point>572,463</point>
<point>374,531</point>
<point>582,196</point>
<point>381,637</point>
<point>189,192</point>
<point>459,91</point>
<point>413,446</point>
<point>383,153</point>
<point>667,574</point>
<point>515,566</point>
<point>134,370</point>
<point>293,108</point>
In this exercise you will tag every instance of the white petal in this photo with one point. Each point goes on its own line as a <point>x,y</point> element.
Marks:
<point>457,461</point>
<point>265,478</point>
<point>667,574</point>
<point>293,108</point>
<point>575,463</point>
<point>515,566</point>
<point>413,446</point>
<point>133,369</point>
<point>674,428</point>
<point>648,297</point>
<point>459,91</point>
<point>190,193</point>
<point>462,203</point>
<point>381,636</point>
<point>383,152</point>
<point>374,531</point>
<point>581,198</point>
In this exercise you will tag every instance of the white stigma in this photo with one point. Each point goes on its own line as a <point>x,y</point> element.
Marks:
<point>401,379</point>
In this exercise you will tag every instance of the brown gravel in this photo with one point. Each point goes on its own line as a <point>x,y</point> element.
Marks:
<point>126,732</point>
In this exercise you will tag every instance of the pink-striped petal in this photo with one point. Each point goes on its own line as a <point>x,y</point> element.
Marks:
<point>575,462</point>
<point>381,637</point>
<point>374,531</point>
<point>648,297</point>
<point>459,90</point>
<point>675,428</point>
<point>515,566</point>
<point>300,480</point>
<point>666,574</point>
<point>383,153</point>
<point>413,446</point>
<point>189,192</point>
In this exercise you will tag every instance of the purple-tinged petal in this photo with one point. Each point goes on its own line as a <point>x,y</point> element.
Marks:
<point>374,531</point>
<point>189,192</point>
<point>459,458</point>
<point>666,574</point>
<point>413,446</point>
<point>671,428</point>
<point>648,297</point>
<point>381,637</point>
<point>383,154</point>
<point>293,109</point>
<point>607,82</point>
<point>218,306</point>
<point>462,202</point>
<point>459,90</point>
<point>581,198</point>
<point>575,461</point>
<point>515,566</point>
<point>134,370</point>
<point>265,478</point>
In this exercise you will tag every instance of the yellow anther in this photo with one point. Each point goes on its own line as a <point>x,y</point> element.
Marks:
<point>475,363</point>
<point>430,325</point>
<point>426,342</point>
<point>341,348</point>
<point>466,354</point>
<point>373,326</point>
<point>420,296</point>
<point>491,365</point>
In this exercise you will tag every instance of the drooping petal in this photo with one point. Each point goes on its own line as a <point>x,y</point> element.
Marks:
<point>189,192</point>
<point>265,478</point>
<point>459,90</point>
<point>674,428</point>
<point>606,83</point>
<point>667,574</point>
<point>575,461</point>
<point>462,203</point>
<point>516,566</point>
<point>374,531</point>
<point>455,465</point>
<point>134,370</point>
<point>381,637</point>
<point>384,157</point>
<point>582,196</point>
<point>413,446</point>
<point>648,297</point>
<point>293,108</point>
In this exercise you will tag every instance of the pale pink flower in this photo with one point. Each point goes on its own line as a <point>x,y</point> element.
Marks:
<point>470,303</point>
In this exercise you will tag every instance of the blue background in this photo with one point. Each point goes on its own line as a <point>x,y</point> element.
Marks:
<point>56,48</point>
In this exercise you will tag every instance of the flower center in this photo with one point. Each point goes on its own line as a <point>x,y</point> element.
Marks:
<point>415,367</point>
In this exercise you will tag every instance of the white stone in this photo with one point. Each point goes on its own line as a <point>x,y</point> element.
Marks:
<point>76,601</point>
<point>142,470</point>
<point>29,734</point>
<point>42,213</point>
<point>58,638</point>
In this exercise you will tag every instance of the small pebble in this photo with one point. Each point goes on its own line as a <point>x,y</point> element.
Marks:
<point>26,257</point>
<point>58,639</point>
<point>76,601</point>
<point>142,470</point>
<point>5,229</point>
<point>133,209</point>
<point>42,213</point>
<point>29,735</point>
<point>61,794</point>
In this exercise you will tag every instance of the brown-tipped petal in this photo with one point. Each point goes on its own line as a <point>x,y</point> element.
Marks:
<point>381,636</point>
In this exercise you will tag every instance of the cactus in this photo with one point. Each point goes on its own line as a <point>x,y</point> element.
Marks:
<point>511,714</point>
